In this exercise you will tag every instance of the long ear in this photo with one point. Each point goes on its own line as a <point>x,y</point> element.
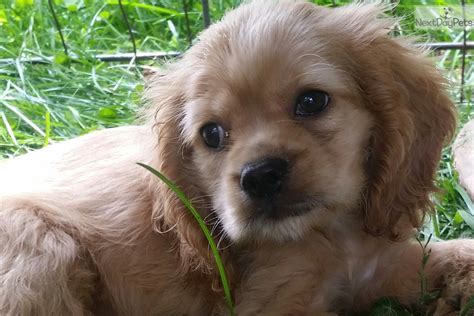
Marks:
<point>165,112</point>
<point>413,118</point>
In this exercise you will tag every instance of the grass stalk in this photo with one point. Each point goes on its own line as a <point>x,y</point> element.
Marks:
<point>205,230</point>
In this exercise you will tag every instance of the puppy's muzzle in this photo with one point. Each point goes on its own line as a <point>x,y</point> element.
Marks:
<point>263,179</point>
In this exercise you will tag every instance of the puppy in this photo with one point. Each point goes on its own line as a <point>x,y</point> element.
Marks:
<point>307,138</point>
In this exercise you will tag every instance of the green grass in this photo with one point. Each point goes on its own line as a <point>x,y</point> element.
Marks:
<point>45,103</point>
<point>205,231</point>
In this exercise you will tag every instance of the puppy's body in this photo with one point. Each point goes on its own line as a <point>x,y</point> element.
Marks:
<point>307,138</point>
<point>94,246</point>
<point>79,245</point>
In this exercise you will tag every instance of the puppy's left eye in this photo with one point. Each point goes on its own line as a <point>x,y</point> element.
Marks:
<point>311,103</point>
<point>213,135</point>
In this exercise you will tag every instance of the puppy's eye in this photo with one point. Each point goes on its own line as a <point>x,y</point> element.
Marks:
<point>311,103</point>
<point>213,135</point>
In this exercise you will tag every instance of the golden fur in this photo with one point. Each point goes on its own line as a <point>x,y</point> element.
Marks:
<point>85,230</point>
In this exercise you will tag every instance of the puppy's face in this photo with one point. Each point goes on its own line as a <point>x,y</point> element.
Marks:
<point>292,115</point>
<point>278,128</point>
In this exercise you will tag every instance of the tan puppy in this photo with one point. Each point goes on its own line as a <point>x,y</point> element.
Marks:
<point>305,135</point>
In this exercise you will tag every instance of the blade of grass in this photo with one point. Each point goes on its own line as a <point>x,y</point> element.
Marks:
<point>146,6</point>
<point>47,124</point>
<point>9,128</point>
<point>23,117</point>
<point>204,228</point>
<point>435,221</point>
<point>465,197</point>
<point>468,307</point>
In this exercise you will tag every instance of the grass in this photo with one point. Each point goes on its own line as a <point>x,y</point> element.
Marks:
<point>72,95</point>
<point>205,231</point>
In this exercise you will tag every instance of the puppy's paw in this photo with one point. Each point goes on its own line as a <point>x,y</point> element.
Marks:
<point>458,294</point>
<point>445,308</point>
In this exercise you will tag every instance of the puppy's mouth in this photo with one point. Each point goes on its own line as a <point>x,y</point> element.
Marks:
<point>281,218</point>
<point>276,209</point>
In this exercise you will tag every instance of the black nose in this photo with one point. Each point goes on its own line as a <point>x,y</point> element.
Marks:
<point>263,178</point>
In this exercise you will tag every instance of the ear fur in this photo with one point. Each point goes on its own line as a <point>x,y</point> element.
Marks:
<point>166,105</point>
<point>413,118</point>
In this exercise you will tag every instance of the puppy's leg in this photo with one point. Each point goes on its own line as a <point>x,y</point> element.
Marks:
<point>42,271</point>
<point>286,289</point>
<point>449,268</point>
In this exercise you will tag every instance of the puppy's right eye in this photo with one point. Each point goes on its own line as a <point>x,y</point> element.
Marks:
<point>311,102</point>
<point>213,135</point>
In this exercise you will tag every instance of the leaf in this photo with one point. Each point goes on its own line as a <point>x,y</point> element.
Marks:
<point>104,15</point>
<point>60,58</point>
<point>72,8</point>
<point>139,88</point>
<point>107,113</point>
<point>468,218</point>
<point>458,219</point>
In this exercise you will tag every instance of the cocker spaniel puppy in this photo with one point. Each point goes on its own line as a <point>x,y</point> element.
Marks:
<point>306,136</point>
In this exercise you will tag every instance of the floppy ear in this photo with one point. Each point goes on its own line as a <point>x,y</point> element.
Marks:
<point>172,158</point>
<point>413,118</point>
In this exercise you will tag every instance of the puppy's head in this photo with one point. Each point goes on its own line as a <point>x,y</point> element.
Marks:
<point>285,116</point>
